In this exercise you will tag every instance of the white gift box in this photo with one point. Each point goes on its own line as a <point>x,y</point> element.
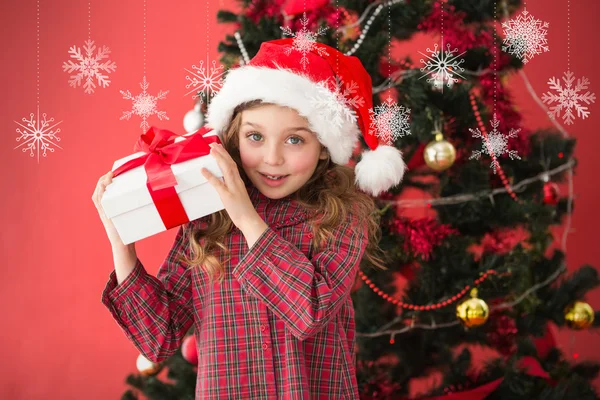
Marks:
<point>128,203</point>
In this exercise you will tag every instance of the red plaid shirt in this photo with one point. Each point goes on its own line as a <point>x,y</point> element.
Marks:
<point>280,325</point>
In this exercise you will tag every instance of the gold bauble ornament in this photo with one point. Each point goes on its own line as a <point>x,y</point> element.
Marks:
<point>473,312</point>
<point>579,315</point>
<point>147,367</point>
<point>440,154</point>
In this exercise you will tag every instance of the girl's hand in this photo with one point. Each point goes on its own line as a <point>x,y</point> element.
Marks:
<point>233,191</point>
<point>111,231</point>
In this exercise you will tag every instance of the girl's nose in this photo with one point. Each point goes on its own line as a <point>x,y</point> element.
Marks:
<point>273,155</point>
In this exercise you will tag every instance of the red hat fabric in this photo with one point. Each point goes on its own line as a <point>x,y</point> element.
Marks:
<point>331,90</point>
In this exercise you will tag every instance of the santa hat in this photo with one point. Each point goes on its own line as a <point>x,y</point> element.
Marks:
<point>331,90</point>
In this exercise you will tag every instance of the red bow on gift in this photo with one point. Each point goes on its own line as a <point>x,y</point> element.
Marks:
<point>161,151</point>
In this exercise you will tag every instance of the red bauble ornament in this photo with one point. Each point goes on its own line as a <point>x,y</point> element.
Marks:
<point>189,351</point>
<point>551,193</point>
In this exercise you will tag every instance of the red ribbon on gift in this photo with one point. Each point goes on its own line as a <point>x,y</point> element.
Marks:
<point>161,152</point>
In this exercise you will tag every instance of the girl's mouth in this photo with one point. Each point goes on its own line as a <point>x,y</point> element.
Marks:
<point>273,180</point>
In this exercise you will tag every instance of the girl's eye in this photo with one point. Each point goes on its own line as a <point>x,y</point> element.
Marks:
<point>256,137</point>
<point>250,135</point>
<point>299,140</point>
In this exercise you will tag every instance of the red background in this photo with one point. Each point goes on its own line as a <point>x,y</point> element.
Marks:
<point>58,339</point>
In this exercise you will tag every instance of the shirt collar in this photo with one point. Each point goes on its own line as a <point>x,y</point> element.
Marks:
<point>276,212</point>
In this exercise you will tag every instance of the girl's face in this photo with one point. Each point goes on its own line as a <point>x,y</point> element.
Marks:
<point>276,141</point>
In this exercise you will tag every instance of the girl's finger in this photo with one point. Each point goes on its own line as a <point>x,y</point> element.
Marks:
<point>229,168</point>
<point>226,167</point>
<point>224,154</point>
<point>213,180</point>
<point>100,186</point>
<point>95,194</point>
<point>98,192</point>
<point>214,148</point>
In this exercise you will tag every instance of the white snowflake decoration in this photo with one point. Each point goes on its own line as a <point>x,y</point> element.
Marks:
<point>495,144</point>
<point>390,121</point>
<point>38,135</point>
<point>337,103</point>
<point>206,80</point>
<point>442,65</point>
<point>144,105</point>
<point>525,36</point>
<point>89,66</point>
<point>568,98</point>
<point>304,41</point>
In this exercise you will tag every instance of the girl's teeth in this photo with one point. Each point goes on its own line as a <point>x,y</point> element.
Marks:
<point>275,178</point>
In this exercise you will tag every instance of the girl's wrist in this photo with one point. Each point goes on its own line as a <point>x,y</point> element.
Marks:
<point>250,222</point>
<point>123,248</point>
<point>252,229</point>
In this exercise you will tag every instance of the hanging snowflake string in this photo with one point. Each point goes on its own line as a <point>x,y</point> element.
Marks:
<point>304,40</point>
<point>390,121</point>
<point>442,66</point>
<point>205,80</point>
<point>495,144</point>
<point>144,105</point>
<point>38,134</point>
<point>568,98</point>
<point>386,329</point>
<point>88,65</point>
<point>525,36</point>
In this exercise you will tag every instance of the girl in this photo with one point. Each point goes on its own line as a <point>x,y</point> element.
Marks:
<point>266,282</point>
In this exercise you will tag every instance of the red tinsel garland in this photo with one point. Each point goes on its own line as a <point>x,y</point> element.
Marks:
<point>421,235</point>
<point>501,331</point>
<point>261,8</point>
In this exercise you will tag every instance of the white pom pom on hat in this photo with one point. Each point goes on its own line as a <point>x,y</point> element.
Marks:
<point>379,169</point>
<point>304,81</point>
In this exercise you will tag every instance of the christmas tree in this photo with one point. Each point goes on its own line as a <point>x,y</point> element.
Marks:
<point>479,270</point>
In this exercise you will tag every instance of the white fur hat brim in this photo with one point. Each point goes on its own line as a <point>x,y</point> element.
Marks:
<point>333,122</point>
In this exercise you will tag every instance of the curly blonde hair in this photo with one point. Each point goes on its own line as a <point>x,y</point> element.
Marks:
<point>329,193</point>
